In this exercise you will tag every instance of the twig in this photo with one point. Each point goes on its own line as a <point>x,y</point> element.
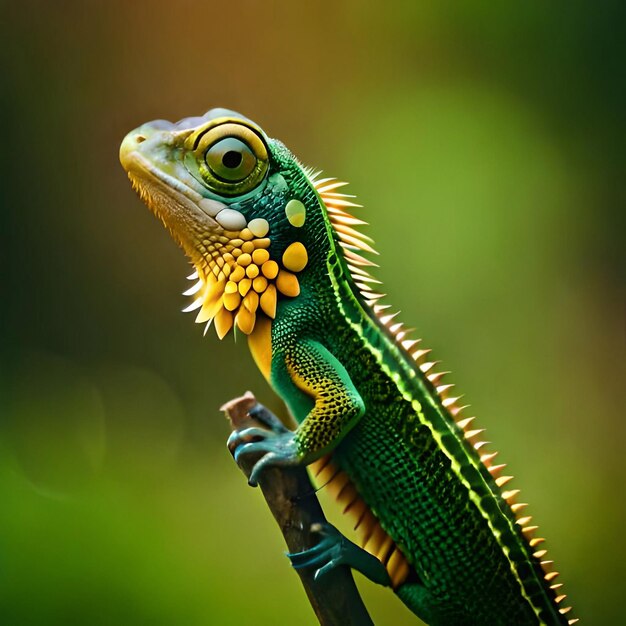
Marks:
<point>291,498</point>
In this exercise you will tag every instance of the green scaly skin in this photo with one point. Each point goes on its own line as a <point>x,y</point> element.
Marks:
<point>353,389</point>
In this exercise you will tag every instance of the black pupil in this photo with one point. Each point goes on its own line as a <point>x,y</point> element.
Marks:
<point>232,159</point>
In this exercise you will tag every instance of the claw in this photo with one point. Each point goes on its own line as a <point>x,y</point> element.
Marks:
<point>271,458</point>
<point>244,448</point>
<point>239,437</point>
<point>278,449</point>
<point>325,569</point>
<point>302,564</point>
<point>300,560</point>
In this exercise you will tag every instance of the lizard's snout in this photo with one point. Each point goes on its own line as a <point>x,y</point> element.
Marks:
<point>131,144</point>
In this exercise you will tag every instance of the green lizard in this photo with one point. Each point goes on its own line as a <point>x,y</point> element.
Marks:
<point>278,257</point>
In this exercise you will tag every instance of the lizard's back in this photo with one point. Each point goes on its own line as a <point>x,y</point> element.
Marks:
<point>439,513</point>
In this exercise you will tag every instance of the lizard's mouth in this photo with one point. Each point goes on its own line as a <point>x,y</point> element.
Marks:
<point>150,155</point>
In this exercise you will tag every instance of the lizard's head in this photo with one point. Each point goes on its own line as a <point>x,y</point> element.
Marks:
<point>252,220</point>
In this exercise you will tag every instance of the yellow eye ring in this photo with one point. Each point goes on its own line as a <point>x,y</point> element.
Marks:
<point>230,157</point>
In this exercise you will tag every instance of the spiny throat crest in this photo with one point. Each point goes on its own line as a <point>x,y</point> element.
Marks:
<point>237,279</point>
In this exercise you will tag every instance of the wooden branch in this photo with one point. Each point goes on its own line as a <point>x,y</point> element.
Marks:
<point>293,502</point>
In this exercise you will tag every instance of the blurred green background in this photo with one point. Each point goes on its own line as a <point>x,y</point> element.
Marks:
<point>482,139</point>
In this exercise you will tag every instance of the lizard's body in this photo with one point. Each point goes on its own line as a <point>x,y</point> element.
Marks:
<point>374,420</point>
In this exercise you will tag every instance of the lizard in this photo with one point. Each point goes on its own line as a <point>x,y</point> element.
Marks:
<point>279,257</point>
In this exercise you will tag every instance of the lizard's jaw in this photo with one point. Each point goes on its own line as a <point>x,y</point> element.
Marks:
<point>149,156</point>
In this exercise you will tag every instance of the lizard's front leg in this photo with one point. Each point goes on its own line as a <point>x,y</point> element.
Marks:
<point>312,373</point>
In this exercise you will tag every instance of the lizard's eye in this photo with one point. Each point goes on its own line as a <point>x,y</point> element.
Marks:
<point>231,158</point>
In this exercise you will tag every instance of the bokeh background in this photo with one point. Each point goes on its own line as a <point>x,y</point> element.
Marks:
<point>483,140</point>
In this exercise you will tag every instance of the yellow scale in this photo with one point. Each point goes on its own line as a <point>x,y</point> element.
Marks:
<point>240,277</point>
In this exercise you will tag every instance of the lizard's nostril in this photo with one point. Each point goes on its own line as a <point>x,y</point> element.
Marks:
<point>130,145</point>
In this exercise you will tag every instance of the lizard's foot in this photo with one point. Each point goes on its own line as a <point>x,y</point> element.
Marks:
<point>279,448</point>
<point>335,550</point>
